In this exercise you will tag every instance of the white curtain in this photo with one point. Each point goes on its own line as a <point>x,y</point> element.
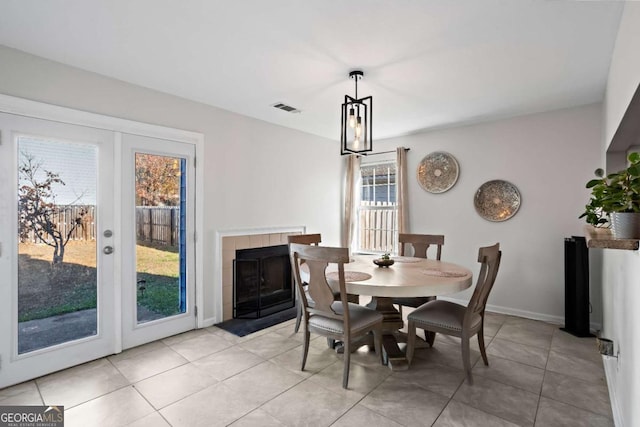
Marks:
<point>351,197</point>
<point>401,190</point>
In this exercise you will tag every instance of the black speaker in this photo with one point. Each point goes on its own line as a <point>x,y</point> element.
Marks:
<point>576,287</point>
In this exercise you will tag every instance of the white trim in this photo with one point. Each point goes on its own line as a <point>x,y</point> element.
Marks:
<point>41,110</point>
<point>610,368</point>
<point>217,268</point>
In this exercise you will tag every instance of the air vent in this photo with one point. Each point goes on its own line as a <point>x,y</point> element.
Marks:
<point>287,108</point>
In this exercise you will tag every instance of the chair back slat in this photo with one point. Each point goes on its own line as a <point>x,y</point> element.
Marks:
<point>489,257</point>
<point>317,258</point>
<point>421,244</point>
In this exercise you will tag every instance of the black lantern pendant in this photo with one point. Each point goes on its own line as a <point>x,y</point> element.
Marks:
<point>356,123</point>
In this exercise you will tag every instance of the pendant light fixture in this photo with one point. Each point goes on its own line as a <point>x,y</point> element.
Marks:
<point>356,123</point>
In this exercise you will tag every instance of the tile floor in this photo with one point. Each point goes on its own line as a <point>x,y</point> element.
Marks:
<point>538,375</point>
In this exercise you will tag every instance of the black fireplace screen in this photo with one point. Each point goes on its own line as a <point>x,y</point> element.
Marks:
<point>262,282</point>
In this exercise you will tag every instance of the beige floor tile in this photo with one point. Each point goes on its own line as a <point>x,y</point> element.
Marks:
<point>172,385</point>
<point>217,405</point>
<point>405,403</point>
<point>21,394</point>
<point>362,379</point>
<point>451,340</point>
<point>434,377</point>
<point>502,400</point>
<point>556,414</point>
<point>585,348</point>
<point>585,369</point>
<point>445,354</point>
<point>269,345</point>
<point>318,358</point>
<point>135,351</point>
<point>152,420</point>
<point>228,362</point>
<point>529,355</point>
<point>147,364</point>
<point>263,382</point>
<point>573,391</point>
<point>200,346</point>
<point>360,416</point>
<point>310,404</point>
<point>458,414</point>
<point>257,418</point>
<point>513,373</point>
<point>80,383</point>
<point>175,339</point>
<point>118,408</point>
<point>531,334</point>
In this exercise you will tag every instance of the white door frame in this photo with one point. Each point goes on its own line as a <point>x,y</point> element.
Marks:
<point>39,110</point>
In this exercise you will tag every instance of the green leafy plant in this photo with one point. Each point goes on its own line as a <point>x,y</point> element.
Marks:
<point>616,192</point>
<point>386,255</point>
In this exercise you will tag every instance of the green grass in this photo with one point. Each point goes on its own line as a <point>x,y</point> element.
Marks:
<point>45,290</point>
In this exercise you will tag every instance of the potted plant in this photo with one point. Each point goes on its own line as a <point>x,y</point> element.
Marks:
<point>616,196</point>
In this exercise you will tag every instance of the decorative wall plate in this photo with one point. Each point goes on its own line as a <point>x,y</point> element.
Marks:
<point>438,172</point>
<point>497,200</point>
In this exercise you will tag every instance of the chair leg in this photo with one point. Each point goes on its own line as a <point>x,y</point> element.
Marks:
<point>429,337</point>
<point>347,361</point>
<point>298,317</point>
<point>466,359</point>
<point>411,340</point>
<point>305,348</point>
<point>481,345</point>
<point>377,342</point>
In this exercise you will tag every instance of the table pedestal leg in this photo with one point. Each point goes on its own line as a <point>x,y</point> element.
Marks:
<point>392,322</point>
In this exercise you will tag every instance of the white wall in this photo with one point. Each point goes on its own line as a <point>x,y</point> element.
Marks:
<point>621,293</point>
<point>256,174</point>
<point>549,157</point>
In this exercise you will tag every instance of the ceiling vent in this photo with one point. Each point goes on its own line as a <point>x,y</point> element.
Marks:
<point>287,108</point>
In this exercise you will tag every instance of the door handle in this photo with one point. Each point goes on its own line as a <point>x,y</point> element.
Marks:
<point>108,250</point>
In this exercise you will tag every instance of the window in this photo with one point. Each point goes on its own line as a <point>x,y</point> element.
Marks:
<point>378,211</point>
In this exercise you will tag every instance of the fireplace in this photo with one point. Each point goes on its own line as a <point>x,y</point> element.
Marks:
<point>262,282</point>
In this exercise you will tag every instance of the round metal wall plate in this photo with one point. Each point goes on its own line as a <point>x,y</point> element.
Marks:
<point>497,200</point>
<point>438,172</point>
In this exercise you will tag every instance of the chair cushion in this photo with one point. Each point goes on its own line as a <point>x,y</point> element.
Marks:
<point>442,314</point>
<point>361,318</point>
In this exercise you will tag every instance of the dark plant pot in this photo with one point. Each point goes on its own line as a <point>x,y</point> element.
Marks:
<point>383,262</point>
<point>625,225</point>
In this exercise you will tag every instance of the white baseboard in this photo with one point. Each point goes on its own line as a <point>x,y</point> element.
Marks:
<point>209,321</point>
<point>557,320</point>
<point>610,368</point>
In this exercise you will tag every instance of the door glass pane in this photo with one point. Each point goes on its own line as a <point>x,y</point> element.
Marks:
<point>160,236</point>
<point>57,262</point>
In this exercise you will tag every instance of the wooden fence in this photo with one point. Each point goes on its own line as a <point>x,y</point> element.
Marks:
<point>158,225</point>
<point>378,227</point>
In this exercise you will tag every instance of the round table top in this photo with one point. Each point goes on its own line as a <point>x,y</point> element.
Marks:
<point>407,277</point>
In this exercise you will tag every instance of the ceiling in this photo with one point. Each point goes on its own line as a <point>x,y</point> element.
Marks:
<point>427,64</point>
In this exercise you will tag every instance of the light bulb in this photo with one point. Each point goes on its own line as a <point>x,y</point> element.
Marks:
<point>352,118</point>
<point>356,143</point>
<point>359,127</point>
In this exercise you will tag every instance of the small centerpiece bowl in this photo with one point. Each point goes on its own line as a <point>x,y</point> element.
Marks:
<point>383,262</point>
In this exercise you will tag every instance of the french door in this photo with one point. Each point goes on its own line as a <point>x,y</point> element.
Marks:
<point>158,198</point>
<point>56,228</point>
<point>97,249</point>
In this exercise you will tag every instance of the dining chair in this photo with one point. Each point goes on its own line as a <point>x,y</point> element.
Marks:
<point>303,239</point>
<point>457,320</point>
<point>421,244</point>
<point>334,319</point>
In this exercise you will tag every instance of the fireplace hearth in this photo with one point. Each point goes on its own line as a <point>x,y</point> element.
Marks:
<point>262,282</point>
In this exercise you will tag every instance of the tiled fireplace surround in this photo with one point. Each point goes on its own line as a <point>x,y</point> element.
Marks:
<point>246,239</point>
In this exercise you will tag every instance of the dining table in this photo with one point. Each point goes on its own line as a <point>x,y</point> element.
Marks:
<point>407,277</point>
